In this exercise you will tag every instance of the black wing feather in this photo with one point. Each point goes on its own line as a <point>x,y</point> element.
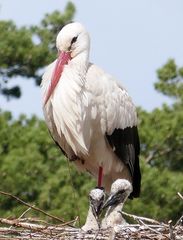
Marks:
<point>126,145</point>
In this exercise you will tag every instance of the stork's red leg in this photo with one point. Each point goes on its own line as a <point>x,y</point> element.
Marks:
<point>100,175</point>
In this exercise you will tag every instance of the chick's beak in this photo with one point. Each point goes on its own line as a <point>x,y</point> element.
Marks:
<point>109,202</point>
<point>96,209</point>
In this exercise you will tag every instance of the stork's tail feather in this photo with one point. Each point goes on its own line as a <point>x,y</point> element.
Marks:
<point>136,179</point>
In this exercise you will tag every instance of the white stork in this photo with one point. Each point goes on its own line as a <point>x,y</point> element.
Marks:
<point>89,114</point>
<point>96,200</point>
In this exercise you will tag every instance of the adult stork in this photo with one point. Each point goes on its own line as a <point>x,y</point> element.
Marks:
<point>89,115</point>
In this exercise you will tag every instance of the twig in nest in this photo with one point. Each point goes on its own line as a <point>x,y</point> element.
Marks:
<point>69,223</point>
<point>75,221</point>
<point>32,226</point>
<point>180,195</point>
<point>136,218</point>
<point>153,230</point>
<point>33,207</point>
<point>181,218</point>
<point>23,214</point>
<point>34,220</point>
<point>17,223</point>
<point>172,235</point>
<point>26,211</point>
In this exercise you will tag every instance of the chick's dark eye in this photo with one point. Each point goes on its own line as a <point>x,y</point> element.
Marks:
<point>121,192</point>
<point>74,40</point>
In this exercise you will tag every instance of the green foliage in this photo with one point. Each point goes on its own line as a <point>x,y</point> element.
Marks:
<point>162,136</point>
<point>162,129</point>
<point>25,51</point>
<point>170,80</point>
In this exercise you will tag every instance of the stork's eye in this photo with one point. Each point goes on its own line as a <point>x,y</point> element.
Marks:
<point>121,192</point>
<point>74,40</point>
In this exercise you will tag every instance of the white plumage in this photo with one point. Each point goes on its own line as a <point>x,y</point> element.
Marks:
<point>120,190</point>
<point>90,116</point>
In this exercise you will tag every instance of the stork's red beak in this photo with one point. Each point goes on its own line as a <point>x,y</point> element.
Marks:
<point>62,60</point>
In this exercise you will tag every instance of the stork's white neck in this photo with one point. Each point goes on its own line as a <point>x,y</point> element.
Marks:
<point>112,210</point>
<point>80,62</point>
<point>91,222</point>
<point>113,217</point>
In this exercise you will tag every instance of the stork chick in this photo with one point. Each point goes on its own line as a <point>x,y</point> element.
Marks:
<point>96,199</point>
<point>120,190</point>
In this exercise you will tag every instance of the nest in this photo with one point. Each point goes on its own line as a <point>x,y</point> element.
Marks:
<point>32,228</point>
<point>29,228</point>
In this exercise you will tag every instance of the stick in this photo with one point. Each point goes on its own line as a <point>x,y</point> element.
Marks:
<point>32,220</point>
<point>23,214</point>
<point>32,207</point>
<point>32,226</point>
<point>180,195</point>
<point>75,221</point>
<point>140,218</point>
<point>172,236</point>
<point>22,224</point>
<point>181,218</point>
<point>26,211</point>
<point>68,223</point>
<point>153,230</point>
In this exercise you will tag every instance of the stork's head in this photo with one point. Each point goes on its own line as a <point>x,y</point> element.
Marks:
<point>71,41</point>
<point>120,190</point>
<point>96,197</point>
